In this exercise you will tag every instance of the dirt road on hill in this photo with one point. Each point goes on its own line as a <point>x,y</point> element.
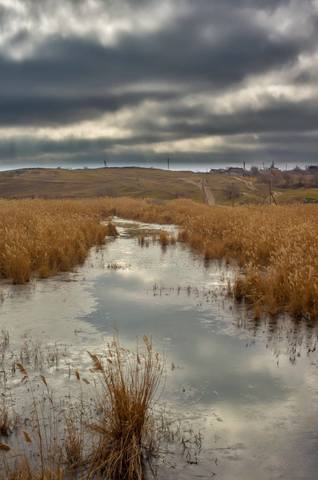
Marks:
<point>207,192</point>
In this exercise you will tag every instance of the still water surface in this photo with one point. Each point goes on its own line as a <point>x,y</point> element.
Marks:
<point>243,394</point>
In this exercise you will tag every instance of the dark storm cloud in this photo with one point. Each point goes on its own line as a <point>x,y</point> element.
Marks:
<point>56,110</point>
<point>205,47</point>
<point>173,55</point>
<point>94,152</point>
<point>277,116</point>
<point>25,147</point>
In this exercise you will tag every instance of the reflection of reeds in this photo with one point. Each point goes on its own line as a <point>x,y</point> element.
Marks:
<point>143,241</point>
<point>5,421</point>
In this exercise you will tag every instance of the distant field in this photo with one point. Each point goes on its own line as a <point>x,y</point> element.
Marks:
<point>211,188</point>
<point>113,182</point>
<point>304,195</point>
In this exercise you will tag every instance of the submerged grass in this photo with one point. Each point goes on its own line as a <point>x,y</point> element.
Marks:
<point>166,239</point>
<point>275,246</point>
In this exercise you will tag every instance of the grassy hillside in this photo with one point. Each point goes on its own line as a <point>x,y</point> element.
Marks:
<point>296,195</point>
<point>114,182</point>
<point>212,188</point>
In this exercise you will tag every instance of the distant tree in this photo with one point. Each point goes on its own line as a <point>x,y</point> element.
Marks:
<point>315,180</point>
<point>288,180</point>
<point>254,171</point>
<point>232,191</point>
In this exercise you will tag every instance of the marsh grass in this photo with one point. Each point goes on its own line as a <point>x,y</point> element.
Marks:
<point>166,239</point>
<point>272,247</point>
<point>41,238</point>
<point>275,247</point>
<point>111,230</point>
<point>107,433</point>
<point>128,387</point>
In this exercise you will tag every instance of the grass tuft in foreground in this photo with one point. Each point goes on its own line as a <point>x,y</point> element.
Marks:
<point>128,388</point>
<point>109,433</point>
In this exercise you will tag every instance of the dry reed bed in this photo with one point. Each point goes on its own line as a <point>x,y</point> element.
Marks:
<point>275,246</point>
<point>44,238</point>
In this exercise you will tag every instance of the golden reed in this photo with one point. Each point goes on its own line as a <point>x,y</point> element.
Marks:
<point>275,246</point>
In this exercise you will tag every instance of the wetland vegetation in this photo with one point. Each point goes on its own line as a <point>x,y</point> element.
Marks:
<point>105,431</point>
<point>128,413</point>
<point>274,247</point>
<point>99,418</point>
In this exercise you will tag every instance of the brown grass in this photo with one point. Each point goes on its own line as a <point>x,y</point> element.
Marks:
<point>73,440</point>
<point>164,238</point>
<point>5,424</point>
<point>23,471</point>
<point>112,182</point>
<point>128,389</point>
<point>274,245</point>
<point>111,230</point>
<point>111,437</point>
<point>43,238</point>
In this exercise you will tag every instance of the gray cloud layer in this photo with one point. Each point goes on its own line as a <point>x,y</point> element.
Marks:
<point>206,79</point>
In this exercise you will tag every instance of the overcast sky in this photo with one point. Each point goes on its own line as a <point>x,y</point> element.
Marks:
<point>124,80</point>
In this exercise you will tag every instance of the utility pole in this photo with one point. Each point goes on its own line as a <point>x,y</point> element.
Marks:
<point>272,198</point>
<point>168,162</point>
<point>232,194</point>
